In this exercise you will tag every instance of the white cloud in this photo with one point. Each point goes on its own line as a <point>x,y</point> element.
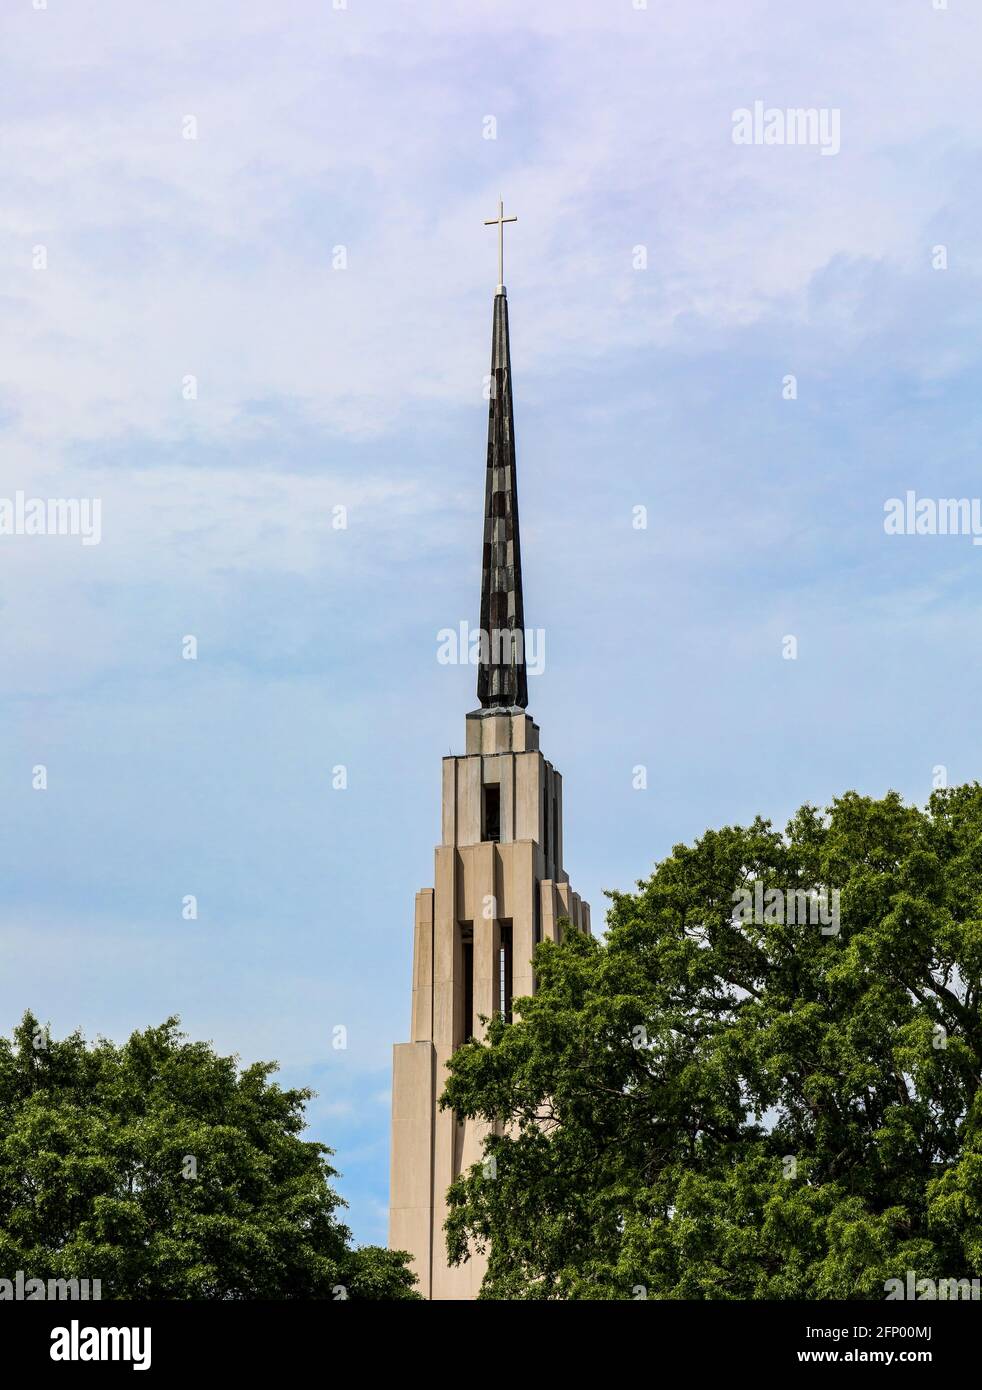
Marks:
<point>362,127</point>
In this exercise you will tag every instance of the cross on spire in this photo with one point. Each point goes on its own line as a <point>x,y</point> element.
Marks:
<point>499,222</point>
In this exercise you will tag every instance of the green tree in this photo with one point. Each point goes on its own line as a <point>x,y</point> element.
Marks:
<point>163,1170</point>
<point>713,1108</point>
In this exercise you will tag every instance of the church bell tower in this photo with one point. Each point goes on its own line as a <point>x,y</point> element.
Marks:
<point>500,886</point>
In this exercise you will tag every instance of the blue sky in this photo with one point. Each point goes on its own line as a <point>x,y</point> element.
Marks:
<point>364,127</point>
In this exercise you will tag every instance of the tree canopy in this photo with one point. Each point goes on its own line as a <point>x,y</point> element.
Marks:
<point>716,1103</point>
<point>166,1172</point>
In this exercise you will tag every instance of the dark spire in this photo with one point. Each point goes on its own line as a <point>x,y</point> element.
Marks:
<point>501,676</point>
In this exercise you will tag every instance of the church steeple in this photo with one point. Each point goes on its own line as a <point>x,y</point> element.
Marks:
<point>502,681</point>
<point>499,885</point>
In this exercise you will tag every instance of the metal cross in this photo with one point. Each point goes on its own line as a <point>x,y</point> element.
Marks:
<point>499,222</point>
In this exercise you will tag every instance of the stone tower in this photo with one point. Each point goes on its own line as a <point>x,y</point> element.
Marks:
<point>500,885</point>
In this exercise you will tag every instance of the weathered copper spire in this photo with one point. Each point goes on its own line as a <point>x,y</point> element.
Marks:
<point>502,681</point>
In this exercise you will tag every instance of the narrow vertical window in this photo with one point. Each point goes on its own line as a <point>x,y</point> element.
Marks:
<point>545,825</point>
<point>505,972</point>
<point>492,813</point>
<point>536,924</point>
<point>467,970</point>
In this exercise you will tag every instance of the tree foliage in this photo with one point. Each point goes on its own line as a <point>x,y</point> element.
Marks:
<point>702,1107</point>
<point>161,1169</point>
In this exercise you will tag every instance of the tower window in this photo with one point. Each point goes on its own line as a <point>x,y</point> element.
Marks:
<point>536,924</point>
<point>492,813</point>
<point>545,826</point>
<point>467,969</point>
<point>505,972</point>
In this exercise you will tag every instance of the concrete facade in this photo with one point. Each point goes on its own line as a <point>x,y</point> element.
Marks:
<point>499,888</point>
